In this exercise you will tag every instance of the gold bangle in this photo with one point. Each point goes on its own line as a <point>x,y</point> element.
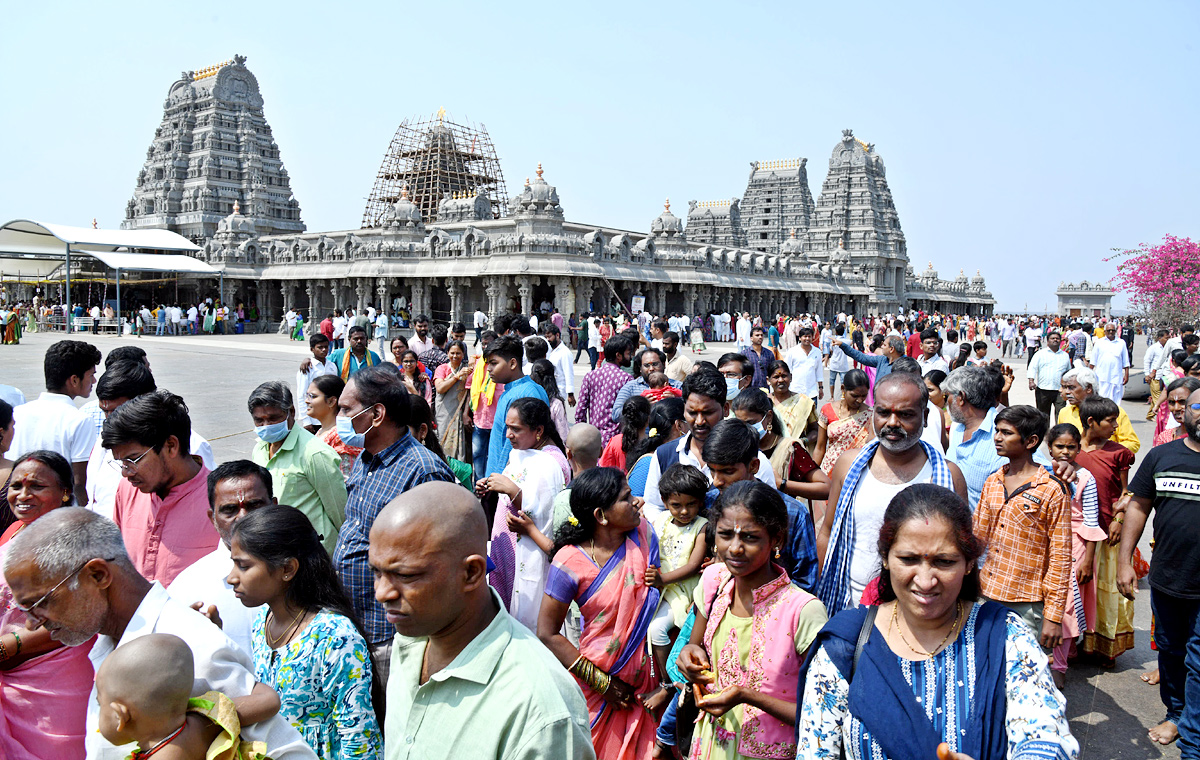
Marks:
<point>3,651</point>
<point>18,638</point>
<point>591,675</point>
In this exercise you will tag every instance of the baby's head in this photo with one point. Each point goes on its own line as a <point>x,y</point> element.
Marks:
<point>657,380</point>
<point>143,688</point>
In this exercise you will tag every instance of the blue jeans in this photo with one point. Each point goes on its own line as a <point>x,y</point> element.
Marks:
<point>666,726</point>
<point>1177,634</point>
<point>480,438</point>
<point>834,376</point>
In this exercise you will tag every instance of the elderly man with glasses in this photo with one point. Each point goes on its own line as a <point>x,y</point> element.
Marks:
<point>161,505</point>
<point>70,573</point>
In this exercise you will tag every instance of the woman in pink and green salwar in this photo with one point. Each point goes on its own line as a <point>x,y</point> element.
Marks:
<point>602,554</point>
<point>752,630</point>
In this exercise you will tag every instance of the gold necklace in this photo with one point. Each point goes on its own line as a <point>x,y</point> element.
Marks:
<point>592,553</point>
<point>938,648</point>
<point>287,634</point>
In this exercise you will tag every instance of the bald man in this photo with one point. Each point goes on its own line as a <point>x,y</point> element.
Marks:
<point>467,679</point>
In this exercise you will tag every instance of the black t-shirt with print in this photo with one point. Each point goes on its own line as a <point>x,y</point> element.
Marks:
<point>1170,477</point>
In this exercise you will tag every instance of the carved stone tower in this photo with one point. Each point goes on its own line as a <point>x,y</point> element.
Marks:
<point>213,149</point>
<point>716,223</point>
<point>777,201</point>
<point>855,213</point>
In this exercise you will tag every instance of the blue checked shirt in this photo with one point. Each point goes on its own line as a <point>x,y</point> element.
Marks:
<point>977,457</point>
<point>375,481</point>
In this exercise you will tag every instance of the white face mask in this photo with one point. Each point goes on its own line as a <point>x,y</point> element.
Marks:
<point>732,388</point>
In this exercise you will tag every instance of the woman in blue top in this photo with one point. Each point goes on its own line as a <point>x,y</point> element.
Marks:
<point>307,644</point>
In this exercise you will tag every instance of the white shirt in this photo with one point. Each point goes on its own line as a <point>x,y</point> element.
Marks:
<point>480,319</point>
<point>838,361</point>
<point>204,581</point>
<point>381,322</point>
<point>533,321</point>
<point>192,313</point>
<point>290,316</point>
<point>103,478</point>
<point>52,422</point>
<point>370,313</point>
<point>1109,358</point>
<point>176,314</point>
<point>339,328</point>
<point>806,370</point>
<point>593,333</point>
<point>564,368</point>
<point>1153,356</point>
<point>743,331</point>
<point>315,370</point>
<point>937,361</point>
<point>1033,336</point>
<point>654,504</point>
<point>219,666</point>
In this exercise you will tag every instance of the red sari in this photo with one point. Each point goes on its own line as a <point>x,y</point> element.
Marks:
<point>617,607</point>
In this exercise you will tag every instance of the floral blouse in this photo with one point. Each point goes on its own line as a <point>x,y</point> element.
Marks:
<point>1036,721</point>
<point>324,682</point>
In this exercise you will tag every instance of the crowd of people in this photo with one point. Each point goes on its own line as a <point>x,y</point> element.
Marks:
<point>434,550</point>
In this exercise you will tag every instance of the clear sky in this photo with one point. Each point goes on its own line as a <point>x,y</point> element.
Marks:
<point>1021,139</point>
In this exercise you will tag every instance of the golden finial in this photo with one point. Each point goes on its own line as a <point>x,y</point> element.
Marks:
<point>977,274</point>
<point>94,225</point>
<point>539,170</point>
<point>793,233</point>
<point>404,193</point>
<point>237,208</point>
<point>931,265</point>
<point>527,182</point>
<point>667,205</point>
<point>441,114</point>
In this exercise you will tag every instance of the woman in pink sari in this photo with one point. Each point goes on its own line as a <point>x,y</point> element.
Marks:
<point>602,560</point>
<point>44,686</point>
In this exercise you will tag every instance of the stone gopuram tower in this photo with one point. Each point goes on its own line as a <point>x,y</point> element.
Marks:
<point>716,223</point>
<point>855,220</point>
<point>777,201</point>
<point>213,149</point>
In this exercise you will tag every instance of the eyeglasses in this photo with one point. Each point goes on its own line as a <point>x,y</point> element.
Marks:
<point>30,609</point>
<point>130,465</point>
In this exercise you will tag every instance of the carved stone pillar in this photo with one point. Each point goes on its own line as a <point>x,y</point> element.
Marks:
<point>311,290</point>
<point>690,294</point>
<point>493,289</point>
<point>285,294</point>
<point>525,291</point>
<point>564,296</point>
<point>660,299</point>
<point>362,290</point>
<point>583,291</point>
<point>420,292</point>
<point>382,292</point>
<point>454,289</point>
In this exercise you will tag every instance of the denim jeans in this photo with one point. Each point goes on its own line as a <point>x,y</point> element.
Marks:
<point>480,439</point>
<point>1177,635</point>
<point>593,356</point>
<point>834,376</point>
<point>666,726</point>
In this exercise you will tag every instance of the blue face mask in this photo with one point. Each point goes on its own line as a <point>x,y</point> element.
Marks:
<point>731,388</point>
<point>345,431</point>
<point>272,433</point>
<point>758,428</point>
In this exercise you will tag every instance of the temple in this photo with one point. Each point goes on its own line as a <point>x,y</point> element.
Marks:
<point>213,149</point>
<point>441,235</point>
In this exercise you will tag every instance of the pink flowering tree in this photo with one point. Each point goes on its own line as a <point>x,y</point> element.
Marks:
<point>1163,281</point>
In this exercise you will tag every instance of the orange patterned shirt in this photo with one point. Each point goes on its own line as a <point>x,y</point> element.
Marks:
<point>1028,537</point>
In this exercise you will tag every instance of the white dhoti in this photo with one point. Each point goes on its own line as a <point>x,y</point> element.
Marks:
<point>1114,391</point>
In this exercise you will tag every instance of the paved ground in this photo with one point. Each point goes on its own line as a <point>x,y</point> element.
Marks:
<point>1110,710</point>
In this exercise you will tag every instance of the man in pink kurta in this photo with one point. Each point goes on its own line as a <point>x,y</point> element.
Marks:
<point>161,505</point>
<point>165,535</point>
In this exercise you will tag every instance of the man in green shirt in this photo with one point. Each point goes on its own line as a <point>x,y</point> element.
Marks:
<point>467,679</point>
<point>305,471</point>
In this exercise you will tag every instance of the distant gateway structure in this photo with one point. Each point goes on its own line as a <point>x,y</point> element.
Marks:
<point>441,235</point>
<point>433,160</point>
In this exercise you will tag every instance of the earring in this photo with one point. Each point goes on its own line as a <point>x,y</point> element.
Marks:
<point>776,552</point>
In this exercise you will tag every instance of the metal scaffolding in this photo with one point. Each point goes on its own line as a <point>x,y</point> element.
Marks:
<point>436,159</point>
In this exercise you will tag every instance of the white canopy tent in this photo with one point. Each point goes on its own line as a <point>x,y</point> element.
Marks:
<point>40,249</point>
